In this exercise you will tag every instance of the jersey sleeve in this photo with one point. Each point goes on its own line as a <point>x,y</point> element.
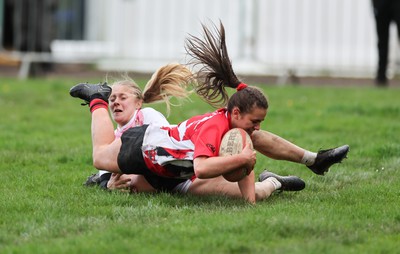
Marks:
<point>208,139</point>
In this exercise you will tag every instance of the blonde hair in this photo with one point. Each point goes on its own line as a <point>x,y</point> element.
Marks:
<point>171,80</point>
<point>131,84</point>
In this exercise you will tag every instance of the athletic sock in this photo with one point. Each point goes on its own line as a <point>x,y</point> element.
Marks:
<point>277,185</point>
<point>308,158</point>
<point>97,103</point>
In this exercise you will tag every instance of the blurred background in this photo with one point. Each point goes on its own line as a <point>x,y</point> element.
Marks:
<point>284,39</point>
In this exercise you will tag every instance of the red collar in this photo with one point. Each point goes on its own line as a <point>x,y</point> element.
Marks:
<point>227,114</point>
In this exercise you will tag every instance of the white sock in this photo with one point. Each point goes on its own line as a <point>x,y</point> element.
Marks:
<point>102,172</point>
<point>308,158</point>
<point>277,185</point>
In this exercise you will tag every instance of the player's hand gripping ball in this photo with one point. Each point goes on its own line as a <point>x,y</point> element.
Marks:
<point>232,143</point>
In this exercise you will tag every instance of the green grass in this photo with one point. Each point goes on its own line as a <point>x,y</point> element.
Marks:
<point>45,156</point>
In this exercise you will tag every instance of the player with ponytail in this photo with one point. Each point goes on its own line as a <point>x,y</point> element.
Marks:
<point>190,148</point>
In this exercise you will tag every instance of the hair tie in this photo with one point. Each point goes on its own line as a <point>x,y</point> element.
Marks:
<point>241,86</point>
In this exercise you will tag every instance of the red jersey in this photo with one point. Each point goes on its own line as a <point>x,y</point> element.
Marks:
<point>179,145</point>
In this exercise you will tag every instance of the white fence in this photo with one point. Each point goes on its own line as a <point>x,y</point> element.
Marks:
<point>312,37</point>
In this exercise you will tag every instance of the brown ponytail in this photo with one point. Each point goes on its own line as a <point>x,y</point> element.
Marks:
<point>216,73</point>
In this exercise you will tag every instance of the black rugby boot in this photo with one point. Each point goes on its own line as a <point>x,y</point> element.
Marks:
<point>92,180</point>
<point>88,92</point>
<point>289,183</point>
<point>326,158</point>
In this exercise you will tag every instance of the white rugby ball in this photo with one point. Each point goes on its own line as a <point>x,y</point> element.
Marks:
<point>232,143</point>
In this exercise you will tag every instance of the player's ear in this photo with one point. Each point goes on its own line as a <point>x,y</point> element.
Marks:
<point>139,104</point>
<point>235,113</point>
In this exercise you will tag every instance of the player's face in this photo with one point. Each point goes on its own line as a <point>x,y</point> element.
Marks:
<point>123,104</point>
<point>248,121</point>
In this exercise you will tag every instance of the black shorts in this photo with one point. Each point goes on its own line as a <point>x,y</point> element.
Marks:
<point>162,183</point>
<point>130,160</point>
<point>130,157</point>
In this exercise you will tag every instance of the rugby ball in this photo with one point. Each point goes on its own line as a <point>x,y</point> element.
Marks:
<point>232,143</point>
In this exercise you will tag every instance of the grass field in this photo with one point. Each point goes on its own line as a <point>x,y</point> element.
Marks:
<point>45,156</point>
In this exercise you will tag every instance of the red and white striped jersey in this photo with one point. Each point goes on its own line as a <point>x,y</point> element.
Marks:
<point>179,145</point>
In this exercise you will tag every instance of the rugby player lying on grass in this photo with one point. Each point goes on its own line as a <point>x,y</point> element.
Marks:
<point>97,95</point>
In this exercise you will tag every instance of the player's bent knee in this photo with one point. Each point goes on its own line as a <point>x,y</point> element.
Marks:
<point>99,161</point>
